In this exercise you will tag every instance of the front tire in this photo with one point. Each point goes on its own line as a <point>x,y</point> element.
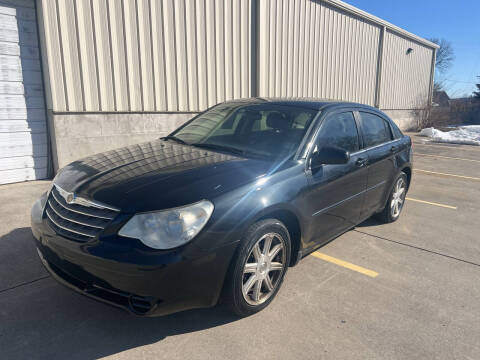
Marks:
<point>258,270</point>
<point>396,200</point>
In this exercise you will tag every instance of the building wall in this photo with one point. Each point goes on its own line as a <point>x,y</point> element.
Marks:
<point>406,78</point>
<point>146,55</point>
<point>110,61</point>
<point>405,119</point>
<point>79,136</point>
<point>107,59</point>
<point>311,49</point>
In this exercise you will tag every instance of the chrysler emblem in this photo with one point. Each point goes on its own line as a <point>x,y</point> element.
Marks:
<point>70,198</point>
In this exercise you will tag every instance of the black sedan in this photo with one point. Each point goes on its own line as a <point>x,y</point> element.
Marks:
<point>221,207</point>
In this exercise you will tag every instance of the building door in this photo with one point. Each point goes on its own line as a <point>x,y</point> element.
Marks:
<point>23,131</point>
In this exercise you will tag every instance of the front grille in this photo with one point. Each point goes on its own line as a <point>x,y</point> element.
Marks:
<point>75,221</point>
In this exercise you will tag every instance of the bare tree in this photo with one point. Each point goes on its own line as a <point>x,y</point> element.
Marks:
<point>439,85</point>
<point>476,94</point>
<point>445,55</point>
<point>422,114</point>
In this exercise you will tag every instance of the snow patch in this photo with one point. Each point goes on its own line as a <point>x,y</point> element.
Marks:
<point>469,134</point>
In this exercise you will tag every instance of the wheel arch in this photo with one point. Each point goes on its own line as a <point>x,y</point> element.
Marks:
<point>408,171</point>
<point>292,223</point>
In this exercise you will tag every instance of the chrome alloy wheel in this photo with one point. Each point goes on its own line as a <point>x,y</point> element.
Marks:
<point>264,268</point>
<point>398,197</point>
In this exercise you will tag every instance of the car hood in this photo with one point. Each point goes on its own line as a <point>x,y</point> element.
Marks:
<point>158,175</point>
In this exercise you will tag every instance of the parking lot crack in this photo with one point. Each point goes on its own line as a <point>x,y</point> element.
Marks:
<point>419,248</point>
<point>24,283</point>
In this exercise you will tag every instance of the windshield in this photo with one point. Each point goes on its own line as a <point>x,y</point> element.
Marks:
<point>265,130</point>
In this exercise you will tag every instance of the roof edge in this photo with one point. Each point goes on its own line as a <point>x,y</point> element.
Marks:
<point>363,14</point>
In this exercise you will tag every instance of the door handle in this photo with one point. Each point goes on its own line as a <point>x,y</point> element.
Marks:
<point>361,162</point>
<point>393,148</point>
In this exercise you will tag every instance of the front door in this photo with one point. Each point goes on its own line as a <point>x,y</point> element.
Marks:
<point>336,192</point>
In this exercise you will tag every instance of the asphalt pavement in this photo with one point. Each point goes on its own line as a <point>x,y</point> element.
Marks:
<point>407,290</point>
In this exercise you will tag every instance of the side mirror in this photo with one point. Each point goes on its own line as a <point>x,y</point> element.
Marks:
<point>329,155</point>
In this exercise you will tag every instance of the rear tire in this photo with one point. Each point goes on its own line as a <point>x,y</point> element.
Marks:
<point>259,267</point>
<point>396,200</point>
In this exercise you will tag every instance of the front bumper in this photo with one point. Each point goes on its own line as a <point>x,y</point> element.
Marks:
<point>142,281</point>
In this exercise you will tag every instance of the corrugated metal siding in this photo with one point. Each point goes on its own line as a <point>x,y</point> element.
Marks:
<point>104,69</point>
<point>405,78</point>
<point>87,54</point>
<point>146,55</point>
<point>71,60</point>
<point>187,55</point>
<point>309,48</point>
<point>54,55</point>
<point>120,66</point>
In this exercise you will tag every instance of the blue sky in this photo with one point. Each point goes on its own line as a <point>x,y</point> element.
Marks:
<point>456,21</point>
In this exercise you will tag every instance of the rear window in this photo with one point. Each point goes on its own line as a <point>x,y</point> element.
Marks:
<point>375,129</point>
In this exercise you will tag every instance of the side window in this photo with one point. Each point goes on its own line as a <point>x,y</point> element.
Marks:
<point>375,129</point>
<point>339,130</point>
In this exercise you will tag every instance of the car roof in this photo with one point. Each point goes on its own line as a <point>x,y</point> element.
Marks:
<point>311,103</point>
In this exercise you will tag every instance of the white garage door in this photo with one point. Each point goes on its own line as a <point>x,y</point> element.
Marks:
<point>23,137</point>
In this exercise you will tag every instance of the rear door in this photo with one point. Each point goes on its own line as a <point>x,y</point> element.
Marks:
<point>381,149</point>
<point>335,193</point>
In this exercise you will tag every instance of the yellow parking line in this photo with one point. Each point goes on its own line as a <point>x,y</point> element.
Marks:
<point>445,157</point>
<point>345,264</point>
<point>432,203</point>
<point>445,174</point>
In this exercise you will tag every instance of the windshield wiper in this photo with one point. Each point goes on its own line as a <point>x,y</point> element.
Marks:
<point>174,138</point>
<point>230,149</point>
<point>219,147</point>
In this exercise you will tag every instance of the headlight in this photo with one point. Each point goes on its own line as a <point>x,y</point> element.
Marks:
<point>169,228</point>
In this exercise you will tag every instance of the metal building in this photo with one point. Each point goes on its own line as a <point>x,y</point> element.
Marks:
<point>80,77</point>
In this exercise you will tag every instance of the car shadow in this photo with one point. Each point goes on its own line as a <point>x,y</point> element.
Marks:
<point>369,222</point>
<point>40,318</point>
